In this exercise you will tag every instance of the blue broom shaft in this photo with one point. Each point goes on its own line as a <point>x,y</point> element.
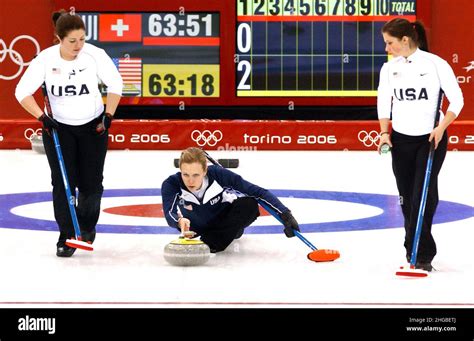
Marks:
<point>277,217</point>
<point>304,240</point>
<point>270,210</point>
<point>421,211</point>
<point>70,199</point>
<point>426,182</point>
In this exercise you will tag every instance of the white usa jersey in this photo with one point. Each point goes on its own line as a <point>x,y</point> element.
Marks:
<point>409,90</point>
<point>72,85</point>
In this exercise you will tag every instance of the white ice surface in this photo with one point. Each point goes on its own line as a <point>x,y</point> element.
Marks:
<point>258,270</point>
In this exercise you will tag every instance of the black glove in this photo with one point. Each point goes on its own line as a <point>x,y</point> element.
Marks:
<point>104,121</point>
<point>290,224</point>
<point>48,123</point>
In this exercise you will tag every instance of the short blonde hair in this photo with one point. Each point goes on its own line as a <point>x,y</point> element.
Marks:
<point>192,155</point>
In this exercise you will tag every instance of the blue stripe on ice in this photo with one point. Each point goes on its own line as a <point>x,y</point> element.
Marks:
<point>391,217</point>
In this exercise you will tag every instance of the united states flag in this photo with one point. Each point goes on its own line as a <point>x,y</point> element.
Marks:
<point>131,71</point>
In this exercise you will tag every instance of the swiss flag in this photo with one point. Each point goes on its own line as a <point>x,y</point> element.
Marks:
<point>120,27</point>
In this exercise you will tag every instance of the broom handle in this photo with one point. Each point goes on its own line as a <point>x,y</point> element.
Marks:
<point>426,183</point>
<point>270,210</point>
<point>421,211</point>
<point>69,197</point>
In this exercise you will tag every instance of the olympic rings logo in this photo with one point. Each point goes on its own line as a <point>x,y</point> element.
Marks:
<point>15,56</point>
<point>369,139</point>
<point>206,137</point>
<point>30,133</point>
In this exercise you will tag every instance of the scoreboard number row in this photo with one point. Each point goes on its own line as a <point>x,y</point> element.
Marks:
<point>323,7</point>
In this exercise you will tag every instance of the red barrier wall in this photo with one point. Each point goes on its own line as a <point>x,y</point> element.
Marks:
<point>452,37</point>
<point>25,26</point>
<point>448,21</point>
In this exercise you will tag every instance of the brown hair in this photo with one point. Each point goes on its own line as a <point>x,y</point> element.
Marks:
<point>65,22</point>
<point>400,28</point>
<point>193,154</point>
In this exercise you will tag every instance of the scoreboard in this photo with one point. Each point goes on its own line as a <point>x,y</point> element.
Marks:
<point>312,48</point>
<point>161,54</point>
<point>253,53</point>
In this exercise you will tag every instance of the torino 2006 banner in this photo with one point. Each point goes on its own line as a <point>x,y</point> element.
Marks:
<point>231,135</point>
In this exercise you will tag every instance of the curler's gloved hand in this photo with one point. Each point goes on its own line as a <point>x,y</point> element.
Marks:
<point>48,123</point>
<point>104,121</point>
<point>290,224</point>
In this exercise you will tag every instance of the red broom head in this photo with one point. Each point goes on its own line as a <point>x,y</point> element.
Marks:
<point>410,271</point>
<point>79,244</point>
<point>324,255</point>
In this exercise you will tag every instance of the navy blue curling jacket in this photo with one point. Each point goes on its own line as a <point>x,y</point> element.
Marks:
<point>224,187</point>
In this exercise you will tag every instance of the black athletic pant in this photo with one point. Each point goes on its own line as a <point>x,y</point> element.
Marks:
<point>409,159</point>
<point>84,156</point>
<point>230,223</point>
